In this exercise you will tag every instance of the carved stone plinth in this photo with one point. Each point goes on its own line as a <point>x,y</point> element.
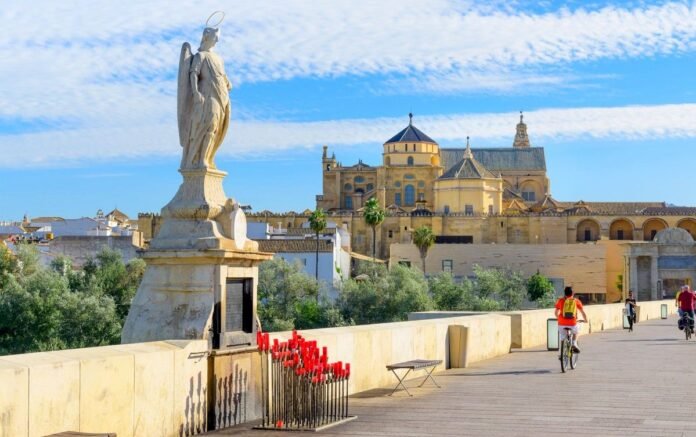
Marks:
<point>193,264</point>
<point>180,289</point>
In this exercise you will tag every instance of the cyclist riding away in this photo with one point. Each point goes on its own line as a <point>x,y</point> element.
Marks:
<point>676,300</point>
<point>687,299</point>
<point>567,314</point>
<point>630,310</point>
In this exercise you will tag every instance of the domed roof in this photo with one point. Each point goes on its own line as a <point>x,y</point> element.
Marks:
<point>410,134</point>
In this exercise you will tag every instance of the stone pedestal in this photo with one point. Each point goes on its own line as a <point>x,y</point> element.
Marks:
<point>201,275</point>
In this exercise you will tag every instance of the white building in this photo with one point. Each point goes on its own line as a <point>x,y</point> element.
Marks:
<point>300,245</point>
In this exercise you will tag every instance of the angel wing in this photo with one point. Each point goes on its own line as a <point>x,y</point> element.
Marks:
<point>184,102</point>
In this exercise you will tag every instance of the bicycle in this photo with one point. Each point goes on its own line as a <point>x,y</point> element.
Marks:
<point>567,357</point>
<point>688,325</point>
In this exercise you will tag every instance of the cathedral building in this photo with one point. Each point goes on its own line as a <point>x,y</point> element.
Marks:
<point>416,174</point>
<point>493,207</point>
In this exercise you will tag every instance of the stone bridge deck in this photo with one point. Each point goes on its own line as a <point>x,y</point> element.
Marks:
<point>639,384</point>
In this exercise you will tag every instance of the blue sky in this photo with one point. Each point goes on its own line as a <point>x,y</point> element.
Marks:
<point>87,100</point>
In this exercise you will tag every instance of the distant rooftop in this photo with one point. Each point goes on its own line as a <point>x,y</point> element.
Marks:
<point>275,246</point>
<point>498,159</point>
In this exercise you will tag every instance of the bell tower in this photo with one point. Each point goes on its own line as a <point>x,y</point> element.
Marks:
<point>521,138</point>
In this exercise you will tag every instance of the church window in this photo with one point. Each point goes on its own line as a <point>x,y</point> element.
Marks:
<point>409,195</point>
<point>409,161</point>
<point>359,180</point>
<point>349,202</point>
<point>414,147</point>
<point>469,209</point>
<point>409,176</point>
<point>328,167</point>
<point>529,196</point>
<point>397,184</point>
<point>370,187</point>
<point>397,199</point>
<point>421,184</point>
<point>447,210</point>
<point>347,187</point>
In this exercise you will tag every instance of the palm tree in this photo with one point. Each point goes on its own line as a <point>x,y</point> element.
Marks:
<point>374,216</point>
<point>317,221</point>
<point>423,238</point>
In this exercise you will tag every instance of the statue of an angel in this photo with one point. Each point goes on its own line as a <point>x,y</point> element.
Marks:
<point>203,102</point>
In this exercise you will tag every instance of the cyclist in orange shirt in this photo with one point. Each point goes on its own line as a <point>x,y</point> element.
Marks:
<point>566,313</point>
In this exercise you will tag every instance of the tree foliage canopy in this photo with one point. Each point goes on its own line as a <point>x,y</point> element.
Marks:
<point>424,239</point>
<point>540,290</point>
<point>58,307</point>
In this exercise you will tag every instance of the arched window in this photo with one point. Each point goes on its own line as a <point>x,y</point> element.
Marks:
<point>409,195</point>
<point>397,184</point>
<point>349,202</point>
<point>421,184</point>
<point>397,199</point>
<point>359,180</point>
<point>409,161</point>
<point>347,187</point>
<point>447,209</point>
<point>370,187</point>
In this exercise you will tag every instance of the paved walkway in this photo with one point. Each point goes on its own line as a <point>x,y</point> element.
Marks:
<point>625,384</point>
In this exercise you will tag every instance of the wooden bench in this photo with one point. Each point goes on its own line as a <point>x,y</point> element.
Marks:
<point>427,365</point>
<point>83,434</point>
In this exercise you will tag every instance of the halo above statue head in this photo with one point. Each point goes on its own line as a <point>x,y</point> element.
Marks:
<point>213,15</point>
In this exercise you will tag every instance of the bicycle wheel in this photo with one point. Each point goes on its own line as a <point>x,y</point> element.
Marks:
<point>573,359</point>
<point>565,349</point>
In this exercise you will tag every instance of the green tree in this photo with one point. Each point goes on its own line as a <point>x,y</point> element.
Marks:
<point>27,258</point>
<point>448,295</point>
<point>289,298</point>
<point>384,296</point>
<point>8,265</point>
<point>40,313</point>
<point>106,273</point>
<point>540,290</point>
<point>424,239</point>
<point>496,289</point>
<point>317,221</point>
<point>374,216</point>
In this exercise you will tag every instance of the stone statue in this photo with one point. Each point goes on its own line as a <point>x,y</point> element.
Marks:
<point>203,102</point>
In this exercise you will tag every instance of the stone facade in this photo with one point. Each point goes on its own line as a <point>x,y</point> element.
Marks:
<point>480,196</point>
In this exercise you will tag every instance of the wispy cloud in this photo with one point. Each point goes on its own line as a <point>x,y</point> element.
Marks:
<point>253,138</point>
<point>103,77</point>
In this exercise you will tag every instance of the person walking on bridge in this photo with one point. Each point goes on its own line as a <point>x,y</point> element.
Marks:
<point>567,309</point>
<point>630,310</point>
